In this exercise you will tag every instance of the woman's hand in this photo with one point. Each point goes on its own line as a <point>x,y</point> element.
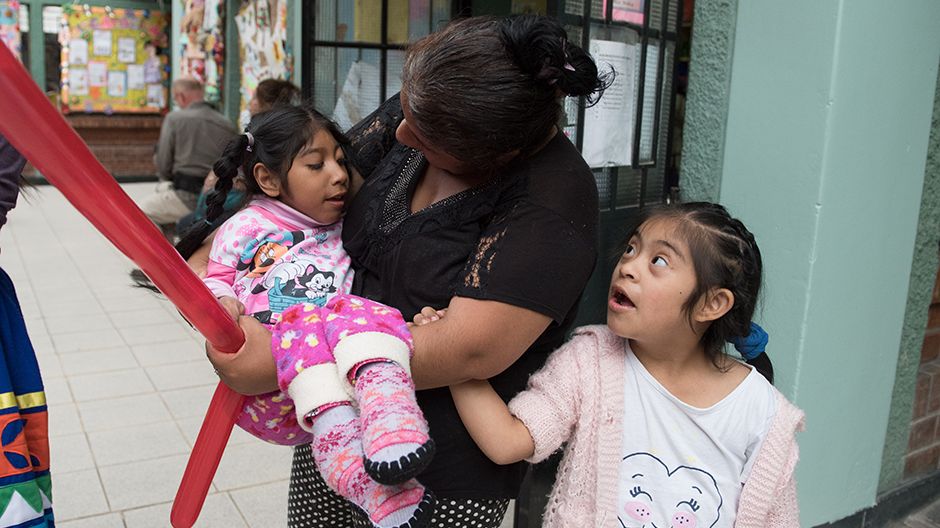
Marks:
<point>251,370</point>
<point>427,315</point>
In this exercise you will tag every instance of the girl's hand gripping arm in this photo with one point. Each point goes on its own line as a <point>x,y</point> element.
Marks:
<point>502,437</point>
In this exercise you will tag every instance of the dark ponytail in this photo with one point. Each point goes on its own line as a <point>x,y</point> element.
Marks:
<point>235,156</point>
<point>763,365</point>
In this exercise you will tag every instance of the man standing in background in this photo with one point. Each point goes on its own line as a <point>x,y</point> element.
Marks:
<point>191,140</point>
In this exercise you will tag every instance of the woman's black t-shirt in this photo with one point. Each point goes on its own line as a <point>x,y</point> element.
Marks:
<point>526,238</point>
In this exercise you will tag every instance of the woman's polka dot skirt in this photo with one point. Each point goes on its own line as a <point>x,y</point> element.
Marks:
<point>312,504</point>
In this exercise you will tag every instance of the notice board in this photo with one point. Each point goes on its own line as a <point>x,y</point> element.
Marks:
<point>113,60</point>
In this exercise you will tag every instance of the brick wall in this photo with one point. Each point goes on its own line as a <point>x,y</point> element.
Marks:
<point>124,144</point>
<point>924,442</point>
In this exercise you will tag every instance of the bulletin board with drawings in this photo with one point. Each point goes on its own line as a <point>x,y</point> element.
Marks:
<point>113,60</point>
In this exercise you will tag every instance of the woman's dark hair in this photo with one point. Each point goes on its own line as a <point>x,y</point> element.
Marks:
<point>724,255</point>
<point>276,137</point>
<point>483,87</point>
<point>276,92</point>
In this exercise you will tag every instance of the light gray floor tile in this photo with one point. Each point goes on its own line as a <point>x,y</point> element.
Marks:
<point>42,344</point>
<point>187,403</point>
<point>97,361</point>
<point>49,366</point>
<point>49,294</point>
<point>70,453</point>
<point>141,442</point>
<point>108,520</point>
<point>191,427</point>
<point>77,494</point>
<point>510,515</point>
<point>110,385</point>
<point>64,420</point>
<point>128,411</point>
<point>137,301</point>
<point>68,308</point>
<point>218,511</point>
<point>148,316</point>
<point>140,335</point>
<point>263,506</point>
<point>139,484</point>
<point>30,308</point>
<point>67,324</point>
<point>182,375</point>
<point>90,340</point>
<point>57,391</point>
<point>253,463</point>
<point>35,325</point>
<point>168,352</point>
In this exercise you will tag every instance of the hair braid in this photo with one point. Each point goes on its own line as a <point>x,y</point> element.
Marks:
<point>235,155</point>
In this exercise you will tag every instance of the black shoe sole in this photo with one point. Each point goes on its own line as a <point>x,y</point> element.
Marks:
<point>406,467</point>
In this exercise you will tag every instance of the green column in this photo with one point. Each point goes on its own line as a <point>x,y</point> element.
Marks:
<point>823,156</point>
<point>37,45</point>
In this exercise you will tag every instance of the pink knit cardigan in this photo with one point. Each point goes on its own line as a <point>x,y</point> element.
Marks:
<point>577,397</point>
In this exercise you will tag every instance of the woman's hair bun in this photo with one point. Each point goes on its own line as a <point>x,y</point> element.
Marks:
<point>539,46</point>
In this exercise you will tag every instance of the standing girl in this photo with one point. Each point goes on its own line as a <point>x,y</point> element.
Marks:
<point>662,427</point>
<point>281,260</point>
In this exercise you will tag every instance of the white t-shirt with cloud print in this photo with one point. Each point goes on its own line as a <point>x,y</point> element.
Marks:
<point>682,466</point>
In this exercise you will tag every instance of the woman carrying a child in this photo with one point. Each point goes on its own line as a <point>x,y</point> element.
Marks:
<point>475,201</point>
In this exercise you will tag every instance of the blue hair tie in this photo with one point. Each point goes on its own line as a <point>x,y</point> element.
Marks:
<point>751,345</point>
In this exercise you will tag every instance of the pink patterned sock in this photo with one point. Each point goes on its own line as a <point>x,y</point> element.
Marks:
<point>337,451</point>
<point>394,432</point>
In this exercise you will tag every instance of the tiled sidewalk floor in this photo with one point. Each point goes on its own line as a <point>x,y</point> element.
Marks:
<point>127,382</point>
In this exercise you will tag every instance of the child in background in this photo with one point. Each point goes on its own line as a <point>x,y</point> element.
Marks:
<point>281,260</point>
<point>662,427</point>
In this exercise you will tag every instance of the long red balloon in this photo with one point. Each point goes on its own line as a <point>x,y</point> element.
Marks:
<point>39,132</point>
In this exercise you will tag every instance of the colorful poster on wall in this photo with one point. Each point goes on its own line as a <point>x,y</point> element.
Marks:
<point>113,60</point>
<point>262,36</point>
<point>202,44</point>
<point>10,26</point>
<point>626,11</point>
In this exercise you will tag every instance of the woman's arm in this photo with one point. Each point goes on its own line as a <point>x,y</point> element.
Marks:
<point>502,437</point>
<point>475,341</point>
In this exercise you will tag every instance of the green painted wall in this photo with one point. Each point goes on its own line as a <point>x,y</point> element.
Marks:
<point>708,96</point>
<point>825,143</point>
<point>923,275</point>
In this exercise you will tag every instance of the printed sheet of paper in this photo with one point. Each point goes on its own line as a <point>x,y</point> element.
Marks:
<point>155,95</point>
<point>78,81</point>
<point>127,50</point>
<point>608,125</point>
<point>135,77</point>
<point>101,43</point>
<point>117,83</point>
<point>97,73</point>
<point>78,51</point>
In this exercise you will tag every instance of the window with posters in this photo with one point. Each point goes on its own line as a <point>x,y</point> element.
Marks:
<point>354,51</point>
